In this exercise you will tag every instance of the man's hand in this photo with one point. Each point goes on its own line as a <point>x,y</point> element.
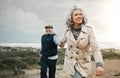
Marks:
<point>61,45</point>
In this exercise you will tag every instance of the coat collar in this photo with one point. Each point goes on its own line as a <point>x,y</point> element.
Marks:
<point>84,29</point>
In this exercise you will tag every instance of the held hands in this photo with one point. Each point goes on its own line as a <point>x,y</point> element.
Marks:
<point>61,45</point>
<point>99,71</point>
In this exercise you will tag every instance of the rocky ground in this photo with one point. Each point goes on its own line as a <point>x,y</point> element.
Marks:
<point>112,70</point>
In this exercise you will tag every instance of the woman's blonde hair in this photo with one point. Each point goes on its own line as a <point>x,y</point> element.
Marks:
<point>69,21</point>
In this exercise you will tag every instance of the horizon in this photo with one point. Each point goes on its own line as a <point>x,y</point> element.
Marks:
<point>38,45</point>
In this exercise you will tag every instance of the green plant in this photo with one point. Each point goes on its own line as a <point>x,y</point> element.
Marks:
<point>15,64</point>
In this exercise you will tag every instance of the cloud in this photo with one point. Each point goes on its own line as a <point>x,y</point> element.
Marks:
<point>16,18</point>
<point>24,20</point>
<point>16,22</point>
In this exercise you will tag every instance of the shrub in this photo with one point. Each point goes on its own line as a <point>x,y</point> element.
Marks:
<point>31,60</point>
<point>15,64</point>
<point>61,55</point>
<point>111,55</point>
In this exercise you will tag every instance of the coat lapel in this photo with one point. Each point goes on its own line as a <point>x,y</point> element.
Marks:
<point>82,33</point>
<point>73,37</point>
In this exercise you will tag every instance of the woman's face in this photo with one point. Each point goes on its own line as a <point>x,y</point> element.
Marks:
<point>77,17</point>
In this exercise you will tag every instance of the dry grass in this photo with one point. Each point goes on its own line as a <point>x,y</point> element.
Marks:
<point>112,70</point>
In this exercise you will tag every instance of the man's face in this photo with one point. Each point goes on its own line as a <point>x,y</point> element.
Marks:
<point>48,30</point>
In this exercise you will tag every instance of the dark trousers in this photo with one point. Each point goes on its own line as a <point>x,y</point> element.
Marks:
<point>51,64</point>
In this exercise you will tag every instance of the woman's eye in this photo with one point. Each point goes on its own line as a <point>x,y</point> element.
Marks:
<point>75,14</point>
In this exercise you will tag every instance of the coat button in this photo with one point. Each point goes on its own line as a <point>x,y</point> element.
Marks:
<point>77,47</point>
<point>76,59</point>
<point>77,53</point>
<point>84,58</point>
<point>71,57</point>
<point>70,46</point>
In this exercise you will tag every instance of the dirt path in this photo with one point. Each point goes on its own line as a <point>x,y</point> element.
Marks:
<point>112,70</point>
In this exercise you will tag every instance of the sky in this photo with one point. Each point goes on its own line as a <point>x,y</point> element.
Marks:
<point>23,21</point>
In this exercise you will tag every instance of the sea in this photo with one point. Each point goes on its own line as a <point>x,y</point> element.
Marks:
<point>33,45</point>
<point>38,45</point>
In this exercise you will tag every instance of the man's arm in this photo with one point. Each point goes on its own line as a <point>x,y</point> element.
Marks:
<point>56,40</point>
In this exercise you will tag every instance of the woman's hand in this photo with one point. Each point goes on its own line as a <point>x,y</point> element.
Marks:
<point>99,71</point>
<point>61,45</point>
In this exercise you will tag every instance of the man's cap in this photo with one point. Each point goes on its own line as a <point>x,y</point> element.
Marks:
<point>49,26</point>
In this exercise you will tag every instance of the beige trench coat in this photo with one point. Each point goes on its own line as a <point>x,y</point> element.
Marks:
<point>78,52</point>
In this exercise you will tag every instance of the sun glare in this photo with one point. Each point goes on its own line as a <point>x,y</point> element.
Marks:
<point>113,20</point>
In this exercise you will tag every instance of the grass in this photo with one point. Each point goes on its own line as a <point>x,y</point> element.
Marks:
<point>111,55</point>
<point>107,54</point>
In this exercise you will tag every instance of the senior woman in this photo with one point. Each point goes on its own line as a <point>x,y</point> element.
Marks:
<point>81,43</point>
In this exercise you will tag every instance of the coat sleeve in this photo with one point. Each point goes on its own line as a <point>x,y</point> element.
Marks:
<point>95,49</point>
<point>56,40</point>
